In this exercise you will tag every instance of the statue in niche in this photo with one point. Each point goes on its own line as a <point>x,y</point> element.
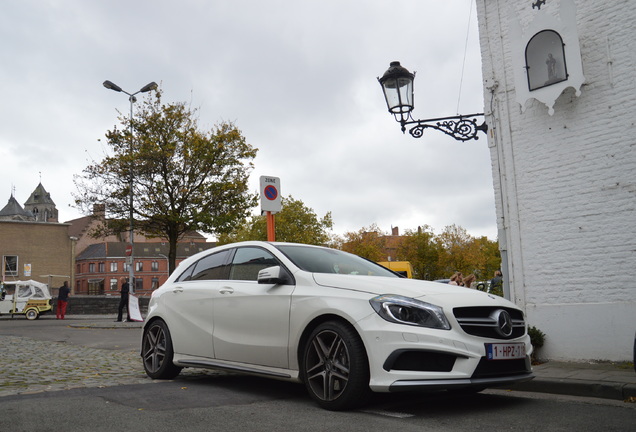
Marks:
<point>552,73</point>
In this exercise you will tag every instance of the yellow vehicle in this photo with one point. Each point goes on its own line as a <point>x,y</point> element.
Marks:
<point>30,298</point>
<point>402,267</point>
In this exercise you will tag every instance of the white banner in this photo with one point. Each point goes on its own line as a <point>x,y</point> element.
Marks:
<point>133,308</point>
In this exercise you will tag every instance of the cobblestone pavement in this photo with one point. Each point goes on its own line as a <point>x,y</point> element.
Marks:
<point>32,366</point>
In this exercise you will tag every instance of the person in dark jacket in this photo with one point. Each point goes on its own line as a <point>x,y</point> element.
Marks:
<point>62,301</point>
<point>496,284</point>
<point>123,301</point>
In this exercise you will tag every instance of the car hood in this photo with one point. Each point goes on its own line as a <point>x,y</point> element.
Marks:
<point>431,292</point>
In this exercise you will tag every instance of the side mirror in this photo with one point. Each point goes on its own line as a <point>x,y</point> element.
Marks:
<point>273,275</point>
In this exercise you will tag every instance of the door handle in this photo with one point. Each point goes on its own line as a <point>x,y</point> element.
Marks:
<point>227,290</point>
<point>177,290</point>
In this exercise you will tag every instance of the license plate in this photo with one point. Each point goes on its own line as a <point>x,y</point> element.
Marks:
<point>500,351</point>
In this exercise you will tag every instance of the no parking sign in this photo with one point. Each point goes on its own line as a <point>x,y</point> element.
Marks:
<point>270,194</point>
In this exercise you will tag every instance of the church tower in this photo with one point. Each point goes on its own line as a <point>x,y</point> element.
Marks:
<point>41,205</point>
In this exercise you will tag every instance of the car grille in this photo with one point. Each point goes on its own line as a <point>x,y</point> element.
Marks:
<point>483,322</point>
<point>422,361</point>
<point>490,369</point>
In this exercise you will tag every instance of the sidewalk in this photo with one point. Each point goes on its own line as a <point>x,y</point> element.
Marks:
<point>100,322</point>
<point>604,380</point>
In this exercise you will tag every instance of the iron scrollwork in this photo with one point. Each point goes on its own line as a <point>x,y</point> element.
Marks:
<point>462,128</point>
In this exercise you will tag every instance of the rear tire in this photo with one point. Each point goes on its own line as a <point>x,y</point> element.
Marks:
<point>157,353</point>
<point>335,367</point>
<point>31,314</point>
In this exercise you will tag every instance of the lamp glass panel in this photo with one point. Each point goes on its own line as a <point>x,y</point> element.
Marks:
<point>399,94</point>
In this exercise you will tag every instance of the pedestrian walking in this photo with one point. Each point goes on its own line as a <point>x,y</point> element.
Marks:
<point>62,301</point>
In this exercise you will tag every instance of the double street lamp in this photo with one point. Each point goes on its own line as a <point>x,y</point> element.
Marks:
<point>131,97</point>
<point>397,85</point>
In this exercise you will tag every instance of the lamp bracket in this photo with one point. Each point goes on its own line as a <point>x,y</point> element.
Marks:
<point>461,127</point>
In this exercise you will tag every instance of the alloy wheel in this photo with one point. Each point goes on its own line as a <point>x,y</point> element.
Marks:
<point>327,365</point>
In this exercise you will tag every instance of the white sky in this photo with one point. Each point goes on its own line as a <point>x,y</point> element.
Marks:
<point>297,77</point>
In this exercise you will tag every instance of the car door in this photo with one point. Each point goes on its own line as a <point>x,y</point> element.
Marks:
<point>190,303</point>
<point>251,320</point>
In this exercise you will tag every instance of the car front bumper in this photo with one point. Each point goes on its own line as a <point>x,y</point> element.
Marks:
<point>414,358</point>
<point>450,384</point>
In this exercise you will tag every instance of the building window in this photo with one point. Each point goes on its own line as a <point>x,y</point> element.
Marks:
<point>139,284</point>
<point>113,284</point>
<point>126,267</point>
<point>154,266</point>
<point>11,265</point>
<point>102,267</point>
<point>139,266</point>
<point>95,286</point>
<point>155,283</point>
<point>113,266</point>
<point>91,267</point>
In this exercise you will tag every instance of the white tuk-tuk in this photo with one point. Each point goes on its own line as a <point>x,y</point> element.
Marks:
<point>30,298</point>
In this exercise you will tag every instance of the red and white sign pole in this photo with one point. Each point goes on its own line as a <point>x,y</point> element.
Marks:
<point>270,203</point>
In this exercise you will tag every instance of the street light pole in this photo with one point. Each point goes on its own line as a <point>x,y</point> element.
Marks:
<point>167,263</point>
<point>131,97</point>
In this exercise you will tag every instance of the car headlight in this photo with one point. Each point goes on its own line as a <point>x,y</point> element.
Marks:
<point>409,311</point>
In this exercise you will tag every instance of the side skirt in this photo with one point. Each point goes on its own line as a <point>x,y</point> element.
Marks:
<point>233,367</point>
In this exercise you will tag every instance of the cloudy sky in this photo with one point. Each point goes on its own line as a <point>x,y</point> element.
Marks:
<point>297,77</point>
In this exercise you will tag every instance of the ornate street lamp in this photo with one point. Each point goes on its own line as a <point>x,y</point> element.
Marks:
<point>397,85</point>
<point>131,97</point>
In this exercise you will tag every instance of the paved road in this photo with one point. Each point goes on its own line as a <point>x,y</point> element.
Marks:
<point>97,366</point>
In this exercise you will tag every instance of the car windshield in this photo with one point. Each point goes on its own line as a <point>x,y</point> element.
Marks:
<point>324,260</point>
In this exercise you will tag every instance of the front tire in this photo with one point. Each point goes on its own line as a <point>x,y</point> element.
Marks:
<point>157,353</point>
<point>31,314</point>
<point>335,368</point>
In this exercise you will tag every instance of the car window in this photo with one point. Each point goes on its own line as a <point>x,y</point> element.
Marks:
<point>211,267</point>
<point>325,260</point>
<point>248,261</point>
<point>187,274</point>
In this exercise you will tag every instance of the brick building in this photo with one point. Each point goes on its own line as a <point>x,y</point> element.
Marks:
<point>35,247</point>
<point>563,167</point>
<point>101,267</point>
<point>101,262</point>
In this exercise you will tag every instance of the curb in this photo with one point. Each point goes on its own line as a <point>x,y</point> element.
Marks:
<point>107,325</point>
<point>595,389</point>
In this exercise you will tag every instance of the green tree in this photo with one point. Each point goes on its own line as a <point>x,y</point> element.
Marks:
<point>368,242</point>
<point>455,240</point>
<point>184,178</point>
<point>295,223</point>
<point>468,254</point>
<point>423,250</point>
<point>488,257</point>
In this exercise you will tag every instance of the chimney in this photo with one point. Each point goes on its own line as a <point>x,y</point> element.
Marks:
<point>395,231</point>
<point>99,209</point>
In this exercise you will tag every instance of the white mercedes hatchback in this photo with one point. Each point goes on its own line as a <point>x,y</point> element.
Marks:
<point>342,325</point>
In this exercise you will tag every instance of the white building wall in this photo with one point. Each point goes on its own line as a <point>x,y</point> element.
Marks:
<point>565,184</point>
